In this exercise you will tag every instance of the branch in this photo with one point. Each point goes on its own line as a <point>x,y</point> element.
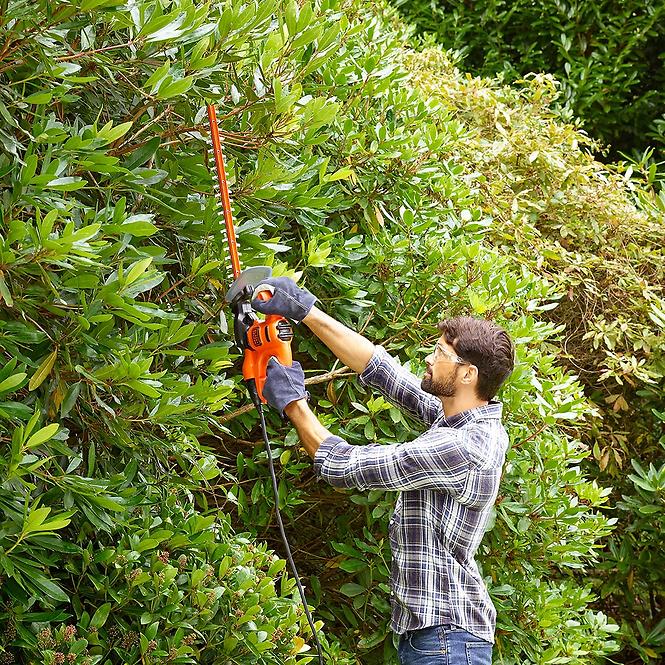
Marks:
<point>321,378</point>
<point>76,56</point>
<point>517,444</point>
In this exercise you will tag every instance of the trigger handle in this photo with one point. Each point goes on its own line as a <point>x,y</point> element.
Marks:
<point>264,292</point>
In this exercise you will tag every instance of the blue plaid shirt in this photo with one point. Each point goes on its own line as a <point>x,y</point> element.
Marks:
<point>448,480</point>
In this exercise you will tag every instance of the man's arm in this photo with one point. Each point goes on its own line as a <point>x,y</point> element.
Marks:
<point>391,379</point>
<point>311,432</point>
<point>297,304</point>
<point>350,347</point>
<point>433,461</point>
<point>371,362</point>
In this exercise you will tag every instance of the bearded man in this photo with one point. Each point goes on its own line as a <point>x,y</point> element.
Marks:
<point>447,478</point>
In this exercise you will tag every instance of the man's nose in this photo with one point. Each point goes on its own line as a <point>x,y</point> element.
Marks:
<point>429,361</point>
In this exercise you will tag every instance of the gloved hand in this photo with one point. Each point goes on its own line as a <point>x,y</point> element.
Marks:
<point>284,384</point>
<point>288,300</point>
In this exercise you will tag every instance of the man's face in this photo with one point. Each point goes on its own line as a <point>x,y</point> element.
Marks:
<point>440,377</point>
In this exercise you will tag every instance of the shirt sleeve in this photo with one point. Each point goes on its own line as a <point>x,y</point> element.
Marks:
<point>437,462</point>
<point>400,387</point>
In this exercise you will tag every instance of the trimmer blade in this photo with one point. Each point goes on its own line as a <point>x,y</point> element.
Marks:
<point>221,190</point>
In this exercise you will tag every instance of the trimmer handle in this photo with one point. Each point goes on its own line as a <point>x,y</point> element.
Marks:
<point>266,339</point>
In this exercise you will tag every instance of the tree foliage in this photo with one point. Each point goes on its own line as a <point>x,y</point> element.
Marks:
<point>605,54</point>
<point>137,509</point>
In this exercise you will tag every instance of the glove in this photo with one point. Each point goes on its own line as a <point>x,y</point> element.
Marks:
<point>288,300</point>
<point>284,384</point>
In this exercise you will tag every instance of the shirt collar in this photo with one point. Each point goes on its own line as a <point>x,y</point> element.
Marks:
<point>492,410</point>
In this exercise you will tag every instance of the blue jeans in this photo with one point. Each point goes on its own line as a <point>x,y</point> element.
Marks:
<point>443,645</point>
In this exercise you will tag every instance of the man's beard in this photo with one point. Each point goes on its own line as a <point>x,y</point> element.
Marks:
<point>445,388</point>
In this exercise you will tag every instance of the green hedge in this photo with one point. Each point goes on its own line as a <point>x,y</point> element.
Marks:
<point>128,464</point>
<point>607,55</point>
<point>597,236</point>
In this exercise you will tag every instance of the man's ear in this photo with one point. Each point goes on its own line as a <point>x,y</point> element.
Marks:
<point>470,374</point>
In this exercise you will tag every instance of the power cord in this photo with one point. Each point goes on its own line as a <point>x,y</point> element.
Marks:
<point>289,558</point>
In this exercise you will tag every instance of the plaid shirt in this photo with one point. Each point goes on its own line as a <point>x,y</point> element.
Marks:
<point>449,478</point>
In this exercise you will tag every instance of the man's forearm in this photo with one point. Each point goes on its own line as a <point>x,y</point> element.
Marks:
<point>310,430</point>
<point>350,347</point>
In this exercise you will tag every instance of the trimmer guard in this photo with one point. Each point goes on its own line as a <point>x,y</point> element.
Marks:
<point>248,277</point>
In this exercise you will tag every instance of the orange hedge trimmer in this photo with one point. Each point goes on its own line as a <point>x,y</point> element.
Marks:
<point>258,340</point>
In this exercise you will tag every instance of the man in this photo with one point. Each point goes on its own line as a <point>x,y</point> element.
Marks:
<point>448,477</point>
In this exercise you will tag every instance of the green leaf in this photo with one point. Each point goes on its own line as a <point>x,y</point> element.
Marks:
<point>142,154</point>
<point>4,292</point>
<point>29,169</point>
<point>12,382</point>
<point>106,502</point>
<point>276,567</point>
<point>351,589</point>
<point>158,75</point>
<point>43,371</point>
<point>35,519</point>
<point>137,270</point>
<point>157,30</point>
<point>70,399</point>
<point>373,640</point>
<point>58,522</point>
<point>138,225</point>
<point>110,134</point>
<point>151,631</point>
<point>43,97</point>
<point>42,435</point>
<point>51,589</point>
<point>87,5</point>
<point>345,548</point>
<point>66,184</point>
<point>341,174</point>
<point>291,17</point>
<point>143,388</point>
<point>353,565</point>
<point>92,457</point>
<point>175,88</point>
<point>101,615</point>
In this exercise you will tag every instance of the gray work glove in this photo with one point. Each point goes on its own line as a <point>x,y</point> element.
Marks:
<point>284,384</point>
<point>288,300</point>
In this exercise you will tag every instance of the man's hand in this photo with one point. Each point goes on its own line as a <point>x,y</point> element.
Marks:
<point>284,384</point>
<point>288,300</point>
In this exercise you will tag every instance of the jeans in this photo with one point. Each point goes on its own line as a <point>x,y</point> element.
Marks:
<point>443,645</point>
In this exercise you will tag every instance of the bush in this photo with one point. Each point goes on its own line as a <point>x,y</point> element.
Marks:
<point>167,584</point>
<point>126,438</point>
<point>596,234</point>
<point>603,53</point>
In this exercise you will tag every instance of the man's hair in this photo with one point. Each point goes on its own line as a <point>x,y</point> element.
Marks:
<point>484,344</point>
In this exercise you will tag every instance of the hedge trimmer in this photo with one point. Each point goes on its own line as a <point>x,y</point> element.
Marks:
<point>258,340</point>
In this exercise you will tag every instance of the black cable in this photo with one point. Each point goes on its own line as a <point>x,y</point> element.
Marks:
<point>289,558</point>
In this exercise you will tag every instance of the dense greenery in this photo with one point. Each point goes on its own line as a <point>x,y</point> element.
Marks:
<point>598,237</point>
<point>136,505</point>
<point>607,55</point>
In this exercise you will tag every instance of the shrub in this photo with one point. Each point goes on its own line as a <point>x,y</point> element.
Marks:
<point>125,438</point>
<point>596,234</point>
<point>603,53</point>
